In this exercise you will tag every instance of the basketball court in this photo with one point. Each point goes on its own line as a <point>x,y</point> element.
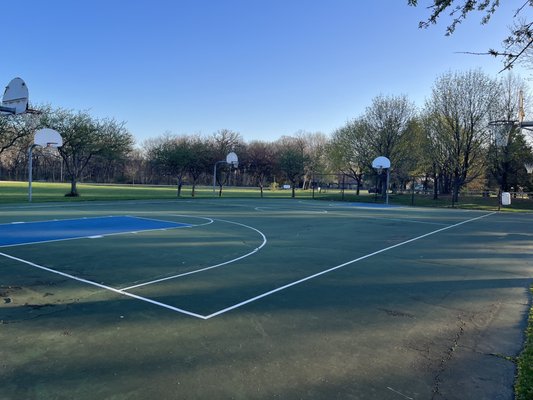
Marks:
<point>260,299</point>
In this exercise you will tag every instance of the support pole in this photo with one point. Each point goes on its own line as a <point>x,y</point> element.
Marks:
<point>413,192</point>
<point>215,177</point>
<point>30,168</point>
<point>387,187</point>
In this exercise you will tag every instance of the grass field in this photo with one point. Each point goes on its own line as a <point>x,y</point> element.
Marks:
<point>260,298</point>
<point>45,192</point>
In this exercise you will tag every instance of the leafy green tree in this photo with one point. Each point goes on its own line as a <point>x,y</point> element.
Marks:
<point>172,157</point>
<point>84,138</point>
<point>434,162</point>
<point>507,166</point>
<point>386,126</point>
<point>460,107</point>
<point>201,159</point>
<point>348,151</point>
<point>292,160</point>
<point>507,157</point>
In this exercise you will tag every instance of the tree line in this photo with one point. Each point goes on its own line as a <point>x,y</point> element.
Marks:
<point>448,144</point>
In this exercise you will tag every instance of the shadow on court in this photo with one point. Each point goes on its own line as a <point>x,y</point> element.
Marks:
<point>430,320</point>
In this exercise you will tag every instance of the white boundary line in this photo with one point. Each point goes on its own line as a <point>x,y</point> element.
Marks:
<point>210,221</point>
<point>210,267</point>
<point>205,317</point>
<point>95,236</point>
<point>166,214</point>
<point>63,219</point>
<point>292,211</point>
<point>340,266</point>
<point>148,300</point>
<point>411,221</point>
<point>157,303</point>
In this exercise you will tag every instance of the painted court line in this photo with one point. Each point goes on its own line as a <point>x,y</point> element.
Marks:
<point>66,229</point>
<point>146,299</point>
<point>210,267</point>
<point>90,237</point>
<point>411,221</point>
<point>205,317</point>
<point>157,303</point>
<point>341,266</point>
<point>159,213</point>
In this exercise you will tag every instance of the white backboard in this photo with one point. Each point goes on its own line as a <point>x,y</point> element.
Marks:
<point>47,137</point>
<point>232,159</point>
<point>381,163</point>
<point>16,96</point>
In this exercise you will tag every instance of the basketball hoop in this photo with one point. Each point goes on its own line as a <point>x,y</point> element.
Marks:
<point>527,125</point>
<point>46,138</point>
<point>232,159</point>
<point>529,167</point>
<point>379,164</point>
<point>15,98</point>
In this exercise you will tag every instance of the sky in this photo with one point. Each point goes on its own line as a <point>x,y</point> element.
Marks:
<point>263,68</point>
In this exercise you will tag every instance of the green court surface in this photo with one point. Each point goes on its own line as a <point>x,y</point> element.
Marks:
<point>262,299</point>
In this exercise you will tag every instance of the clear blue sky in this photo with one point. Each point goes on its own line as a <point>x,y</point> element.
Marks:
<point>264,68</point>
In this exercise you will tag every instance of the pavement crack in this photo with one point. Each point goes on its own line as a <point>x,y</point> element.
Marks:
<point>447,356</point>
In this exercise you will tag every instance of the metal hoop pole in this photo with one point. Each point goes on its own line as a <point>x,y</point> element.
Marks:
<point>387,188</point>
<point>30,168</point>
<point>215,176</point>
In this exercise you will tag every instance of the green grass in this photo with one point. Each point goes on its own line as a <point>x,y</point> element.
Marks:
<point>524,380</point>
<point>419,200</point>
<point>17,192</point>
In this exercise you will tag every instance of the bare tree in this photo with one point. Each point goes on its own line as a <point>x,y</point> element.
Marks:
<point>15,129</point>
<point>314,147</point>
<point>225,141</point>
<point>515,45</point>
<point>261,162</point>
<point>134,166</point>
<point>348,151</point>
